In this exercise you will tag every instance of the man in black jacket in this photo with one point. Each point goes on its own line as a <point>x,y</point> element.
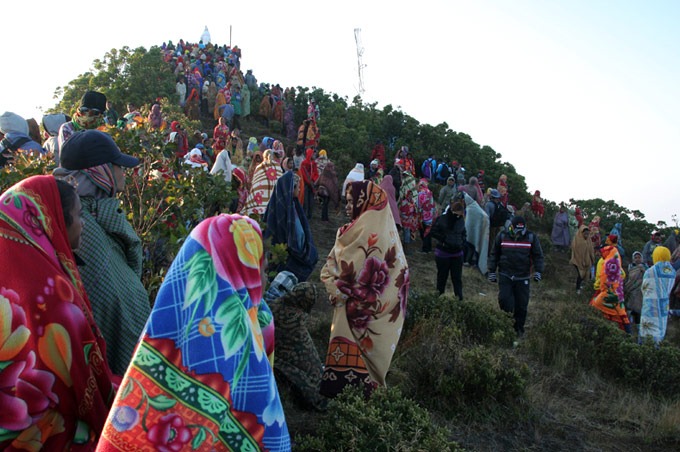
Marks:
<point>514,253</point>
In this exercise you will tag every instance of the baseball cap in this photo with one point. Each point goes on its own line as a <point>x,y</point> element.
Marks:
<point>89,148</point>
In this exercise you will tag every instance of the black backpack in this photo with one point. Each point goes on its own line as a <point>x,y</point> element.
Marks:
<point>10,148</point>
<point>444,171</point>
<point>500,216</point>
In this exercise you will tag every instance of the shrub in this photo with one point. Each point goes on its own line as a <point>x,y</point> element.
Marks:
<point>479,323</point>
<point>456,378</point>
<point>577,337</point>
<point>387,421</point>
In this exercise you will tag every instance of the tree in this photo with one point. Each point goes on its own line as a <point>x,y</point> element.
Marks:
<point>137,76</point>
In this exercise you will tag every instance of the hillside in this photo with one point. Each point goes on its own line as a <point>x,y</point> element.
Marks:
<point>583,411</point>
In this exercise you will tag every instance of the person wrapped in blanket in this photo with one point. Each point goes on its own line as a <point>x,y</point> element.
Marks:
<point>297,359</point>
<point>202,377</point>
<point>609,276</point>
<point>367,279</point>
<point>56,386</point>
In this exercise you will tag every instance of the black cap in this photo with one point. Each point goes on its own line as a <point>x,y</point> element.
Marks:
<point>518,222</point>
<point>89,148</point>
<point>94,99</point>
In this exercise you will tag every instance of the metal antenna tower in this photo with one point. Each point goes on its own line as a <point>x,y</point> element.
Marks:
<point>360,64</point>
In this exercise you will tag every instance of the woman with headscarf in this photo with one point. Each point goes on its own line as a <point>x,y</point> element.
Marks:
<point>192,107</point>
<point>609,276</point>
<point>388,186</point>
<point>595,235</point>
<point>537,205</point>
<point>195,159</point>
<point>321,160</point>
<point>327,188</point>
<point>111,250</point>
<point>309,174</point>
<point>477,226</point>
<point>201,377</point>
<point>220,102</point>
<point>370,299</point>
<point>287,223</point>
<point>234,145</point>
<point>656,288</point>
<point>502,188</point>
<point>560,230</point>
<point>263,182</point>
<point>155,117</point>
<point>632,287</point>
<point>220,135</point>
<point>179,137</point>
<point>245,101</point>
<point>474,190</point>
<point>582,256</point>
<point>297,359</point>
<point>56,386</point>
<point>408,207</point>
<point>239,182</point>
<point>425,203</point>
<point>449,231</point>
<point>254,163</point>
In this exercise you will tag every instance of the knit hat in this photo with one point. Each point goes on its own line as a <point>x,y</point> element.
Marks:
<point>90,148</point>
<point>612,239</point>
<point>12,122</point>
<point>93,99</point>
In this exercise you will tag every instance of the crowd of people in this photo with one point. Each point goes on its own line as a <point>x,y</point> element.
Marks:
<point>92,362</point>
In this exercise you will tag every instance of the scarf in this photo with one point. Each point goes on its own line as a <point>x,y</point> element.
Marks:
<point>367,279</point>
<point>201,369</point>
<point>84,121</point>
<point>52,351</point>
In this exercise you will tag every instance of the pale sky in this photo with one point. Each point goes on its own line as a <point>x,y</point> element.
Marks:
<point>582,97</point>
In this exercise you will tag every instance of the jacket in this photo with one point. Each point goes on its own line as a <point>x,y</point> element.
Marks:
<point>449,231</point>
<point>514,256</point>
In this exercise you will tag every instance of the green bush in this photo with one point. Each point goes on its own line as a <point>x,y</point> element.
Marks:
<point>456,378</point>
<point>479,323</point>
<point>387,421</point>
<point>577,338</point>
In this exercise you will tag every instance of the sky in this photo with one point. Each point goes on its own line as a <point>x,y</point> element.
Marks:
<point>581,97</point>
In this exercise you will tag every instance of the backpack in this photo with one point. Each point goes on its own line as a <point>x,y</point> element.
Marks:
<point>500,216</point>
<point>10,148</point>
<point>426,168</point>
<point>444,171</point>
